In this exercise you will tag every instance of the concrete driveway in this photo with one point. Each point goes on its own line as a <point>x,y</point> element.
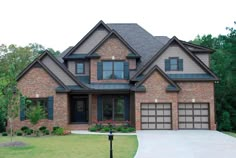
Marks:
<point>185,144</point>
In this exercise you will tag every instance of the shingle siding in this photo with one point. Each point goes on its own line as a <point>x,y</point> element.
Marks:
<point>92,41</point>
<point>204,57</point>
<point>58,71</point>
<point>72,67</point>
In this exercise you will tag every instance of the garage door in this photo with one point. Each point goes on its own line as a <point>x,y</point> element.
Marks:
<point>156,116</point>
<point>194,116</point>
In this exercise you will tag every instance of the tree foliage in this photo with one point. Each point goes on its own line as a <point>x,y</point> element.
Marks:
<point>13,59</point>
<point>223,63</point>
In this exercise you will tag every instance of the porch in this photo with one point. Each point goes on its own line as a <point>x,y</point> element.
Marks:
<point>87,109</point>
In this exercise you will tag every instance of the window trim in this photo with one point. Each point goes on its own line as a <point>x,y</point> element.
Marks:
<point>76,66</point>
<point>113,70</point>
<point>177,58</point>
<point>37,99</point>
<point>113,107</point>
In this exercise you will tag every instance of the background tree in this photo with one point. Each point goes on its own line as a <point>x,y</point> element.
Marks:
<point>223,63</point>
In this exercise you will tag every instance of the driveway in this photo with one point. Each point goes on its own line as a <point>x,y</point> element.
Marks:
<point>185,144</point>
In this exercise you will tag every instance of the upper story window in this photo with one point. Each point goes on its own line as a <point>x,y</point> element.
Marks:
<point>173,64</point>
<point>113,70</point>
<point>79,68</point>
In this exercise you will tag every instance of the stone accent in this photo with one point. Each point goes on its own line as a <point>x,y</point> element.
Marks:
<point>156,89</point>
<point>112,47</point>
<point>38,82</point>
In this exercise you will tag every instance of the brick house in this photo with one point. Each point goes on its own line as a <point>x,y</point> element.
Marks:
<point>121,72</point>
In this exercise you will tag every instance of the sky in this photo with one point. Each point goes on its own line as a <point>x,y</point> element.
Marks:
<point>58,24</point>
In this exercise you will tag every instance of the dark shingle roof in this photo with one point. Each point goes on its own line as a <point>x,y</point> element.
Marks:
<point>162,39</point>
<point>139,39</point>
<point>63,54</point>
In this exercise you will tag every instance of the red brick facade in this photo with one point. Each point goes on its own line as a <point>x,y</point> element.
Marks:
<point>156,89</point>
<point>112,47</point>
<point>38,83</point>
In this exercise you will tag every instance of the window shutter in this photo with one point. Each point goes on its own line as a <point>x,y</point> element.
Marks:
<point>99,110</point>
<point>50,107</point>
<point>180,64</point>
<point>127,108</point>
<point>167,65</point>
<point>99,70</point>
<point>22,108</point>
<point>126,70</point>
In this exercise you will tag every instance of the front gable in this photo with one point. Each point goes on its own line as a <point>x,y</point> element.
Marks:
<point>51,65</point>
<point>158,79</point>
<point>190,64</point>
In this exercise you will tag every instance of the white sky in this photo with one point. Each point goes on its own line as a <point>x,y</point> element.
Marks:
<point>62,23</point>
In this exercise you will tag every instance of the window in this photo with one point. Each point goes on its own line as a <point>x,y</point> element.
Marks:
<point>43,102</point>
<point>80,68</point>
<point>113,70</point>
<point>173,64</point>
<point>113,108</point>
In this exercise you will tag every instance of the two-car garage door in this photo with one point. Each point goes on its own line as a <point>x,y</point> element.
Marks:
<point>190,116</point>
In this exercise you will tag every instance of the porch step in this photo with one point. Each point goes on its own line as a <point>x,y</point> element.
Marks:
<point>78,126</point>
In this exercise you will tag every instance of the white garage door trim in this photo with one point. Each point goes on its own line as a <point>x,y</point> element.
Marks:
<point>194,116</point>
<point>157,116</point>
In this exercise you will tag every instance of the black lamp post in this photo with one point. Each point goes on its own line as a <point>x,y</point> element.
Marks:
<point>110,138</point>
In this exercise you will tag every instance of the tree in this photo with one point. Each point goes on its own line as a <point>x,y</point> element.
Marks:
<point>223,63</point>
<point>35,113</point>
<point>10,99</point>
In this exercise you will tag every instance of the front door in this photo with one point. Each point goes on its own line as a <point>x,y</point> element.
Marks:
<point>79,110</point>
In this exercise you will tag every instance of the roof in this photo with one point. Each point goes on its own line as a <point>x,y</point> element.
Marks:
<point>60,57</point>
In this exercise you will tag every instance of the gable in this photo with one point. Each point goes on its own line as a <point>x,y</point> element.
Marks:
<point>174,50</point>
<point>52,66</point>
<point>161,79</point>
<point>172,43</point>
<point>91,41</point>
<point>113,47</point>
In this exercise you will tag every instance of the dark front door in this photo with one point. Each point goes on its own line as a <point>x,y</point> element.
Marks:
<point>79,110</point>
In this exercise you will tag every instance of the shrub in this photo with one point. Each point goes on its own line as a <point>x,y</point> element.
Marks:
<point>24,128</point>
<point>46,132</point>
<point>42,128</point>
<point>55,128</point>
<point>124,130</point>
<point>29,131</point>
<point>4,134</point>
<point>59,131</point>
<point>106,129</point>
<point>118,128</point>
<point>131,129</point>
<point>18,133</point>
<point>93,129</point>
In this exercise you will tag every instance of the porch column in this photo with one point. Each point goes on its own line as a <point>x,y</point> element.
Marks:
<point>90,108</point>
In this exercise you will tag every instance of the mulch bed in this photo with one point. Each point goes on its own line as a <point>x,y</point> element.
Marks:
<point>13,144</point>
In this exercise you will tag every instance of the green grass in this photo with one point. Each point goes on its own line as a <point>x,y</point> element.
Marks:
<point>231,134</point>
<point>70,146</point>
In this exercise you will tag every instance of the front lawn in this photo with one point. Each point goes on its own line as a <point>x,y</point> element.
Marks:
<point>70,146</point>
<point>230,133</point>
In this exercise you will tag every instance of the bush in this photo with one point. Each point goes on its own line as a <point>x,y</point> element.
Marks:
<point>46,132</point>
<point>59,131</point>
<point>18,133</point>
<point>93,129</point>
<point>106,129</point>
<point>55,128</point>
<point>119,128</point>
<point>24,128</point>
<point>4,134</point>
<point>131,129</point>
<point>124,130</point>
<point>42,128</point>
<point>29,131</point>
